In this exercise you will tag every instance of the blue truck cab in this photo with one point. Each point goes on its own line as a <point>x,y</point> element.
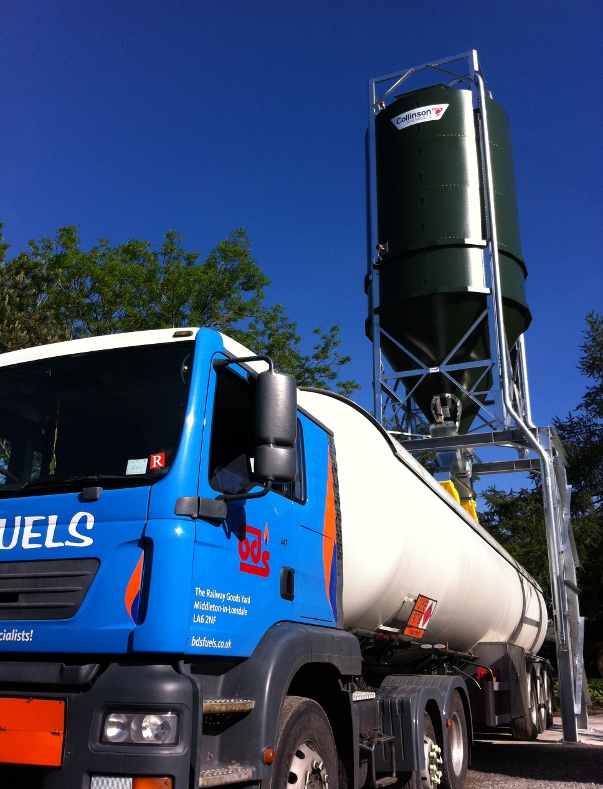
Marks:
<point>169,563</point>
<point>171,583</point>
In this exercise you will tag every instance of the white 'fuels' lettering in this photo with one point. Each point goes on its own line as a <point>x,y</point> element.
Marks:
<point>38,531</point>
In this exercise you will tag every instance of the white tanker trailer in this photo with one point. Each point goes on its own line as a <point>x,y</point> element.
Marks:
<point>405,537</point>
<point>426,588</point>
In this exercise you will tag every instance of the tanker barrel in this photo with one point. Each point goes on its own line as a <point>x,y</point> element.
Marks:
<point>416,564</point>
<point>433,225</point>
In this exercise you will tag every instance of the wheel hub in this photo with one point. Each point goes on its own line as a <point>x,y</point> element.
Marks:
<point>307,769</point>
<point>431,776</point>
<point>457,753</point>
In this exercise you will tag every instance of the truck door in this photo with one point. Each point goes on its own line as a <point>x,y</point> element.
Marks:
<point>315,525</point>
<point>242,567</point>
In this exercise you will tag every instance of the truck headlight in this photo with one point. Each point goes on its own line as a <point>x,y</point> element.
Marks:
<point>115,728</point>
<point>139,728</point>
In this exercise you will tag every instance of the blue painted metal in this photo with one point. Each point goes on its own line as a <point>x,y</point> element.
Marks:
<point>172,584</point>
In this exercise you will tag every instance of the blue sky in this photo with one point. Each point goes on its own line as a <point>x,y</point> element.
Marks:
<point>131,118</point>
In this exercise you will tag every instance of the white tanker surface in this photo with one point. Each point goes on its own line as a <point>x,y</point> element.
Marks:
<point>405,538</point>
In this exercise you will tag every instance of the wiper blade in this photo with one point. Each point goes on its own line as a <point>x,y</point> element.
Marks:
<point>78,482</point>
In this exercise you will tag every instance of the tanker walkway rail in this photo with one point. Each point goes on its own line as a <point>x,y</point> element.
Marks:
<point>548,763</point>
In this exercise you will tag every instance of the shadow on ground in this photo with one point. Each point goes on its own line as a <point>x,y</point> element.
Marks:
<point>499,761</point>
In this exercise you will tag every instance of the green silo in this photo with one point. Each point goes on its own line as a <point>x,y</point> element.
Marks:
<point>432,223</point>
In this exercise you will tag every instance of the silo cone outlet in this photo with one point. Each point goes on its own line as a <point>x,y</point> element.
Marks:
<point>428,308</point>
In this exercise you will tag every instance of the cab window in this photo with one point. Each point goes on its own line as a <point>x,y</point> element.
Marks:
<point>233,442</point>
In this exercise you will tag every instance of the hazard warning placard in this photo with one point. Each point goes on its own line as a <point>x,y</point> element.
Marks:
<point>32,731</point>
<point>419,618</point>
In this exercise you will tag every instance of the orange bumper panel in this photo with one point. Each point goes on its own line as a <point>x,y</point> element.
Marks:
<point>32,731</point>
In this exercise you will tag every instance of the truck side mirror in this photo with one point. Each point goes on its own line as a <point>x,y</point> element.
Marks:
<point>275,427</point>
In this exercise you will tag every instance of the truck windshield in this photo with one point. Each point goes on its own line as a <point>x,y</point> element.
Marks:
<point>114,416</point>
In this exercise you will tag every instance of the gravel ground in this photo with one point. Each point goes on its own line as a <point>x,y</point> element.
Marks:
<point>501,763</point>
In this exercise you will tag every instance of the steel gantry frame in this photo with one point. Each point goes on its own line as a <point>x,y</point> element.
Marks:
<point>504,417</point>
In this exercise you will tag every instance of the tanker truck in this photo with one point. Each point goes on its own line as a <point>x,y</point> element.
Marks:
<point>210,577</point>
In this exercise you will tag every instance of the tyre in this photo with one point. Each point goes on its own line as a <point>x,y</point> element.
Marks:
<point>306,755</point>
<point>526,727</point>
<point>431,776</point>
<point>454,768</point>
<point>548,698</point>
<point>542,691</point>
<point>545,700</point>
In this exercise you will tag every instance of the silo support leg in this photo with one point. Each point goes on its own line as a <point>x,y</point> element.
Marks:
<point>569,722</point>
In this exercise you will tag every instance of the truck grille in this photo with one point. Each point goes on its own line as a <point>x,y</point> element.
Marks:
<point>46,589</point>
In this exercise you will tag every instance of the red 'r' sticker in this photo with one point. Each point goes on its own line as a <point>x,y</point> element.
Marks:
<point>157,461</point>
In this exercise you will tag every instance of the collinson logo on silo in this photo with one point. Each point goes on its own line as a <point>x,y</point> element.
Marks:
<point>420,115</point>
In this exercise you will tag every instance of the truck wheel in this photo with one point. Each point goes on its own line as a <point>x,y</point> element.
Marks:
<point>548,699</point>
<point>526,727</point>
<point>431,776</point>
<point>454,768</point>
<point>545,701</point>
<point>305,748</point>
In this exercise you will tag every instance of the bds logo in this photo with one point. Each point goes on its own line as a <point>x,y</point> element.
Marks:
<point>254,560</point>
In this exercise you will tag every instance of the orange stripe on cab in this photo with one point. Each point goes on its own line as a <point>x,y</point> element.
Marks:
<point>328,544</point>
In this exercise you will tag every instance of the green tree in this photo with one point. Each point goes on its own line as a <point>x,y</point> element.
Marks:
<point>57,291</point>
<point>274,334</point>
<point>582,435</point>
<point>516,519</point>
<point>131,286</point>
<point>24,315</point>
